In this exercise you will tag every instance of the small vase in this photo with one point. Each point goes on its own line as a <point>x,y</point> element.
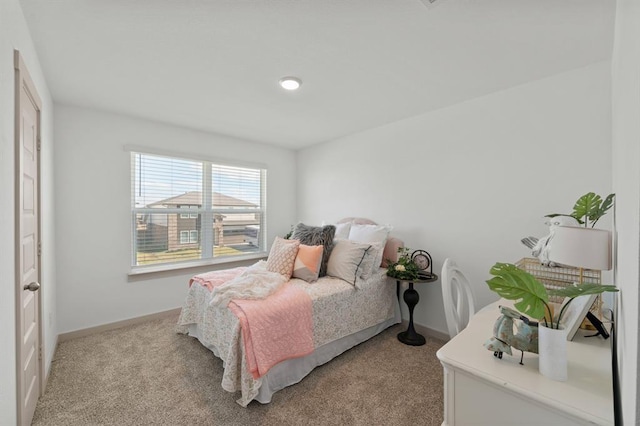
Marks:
<point>552,350</point>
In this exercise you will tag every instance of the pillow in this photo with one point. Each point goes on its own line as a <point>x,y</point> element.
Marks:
<point>282,256</point>
<point>307,263</point>
<point>369,265</point>
<point>316,236</point>
<point>342,230</point>
<point>371,234</point>
<point>346,260</point>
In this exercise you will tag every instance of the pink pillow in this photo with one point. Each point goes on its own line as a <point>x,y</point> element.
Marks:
<point>307,263</point>
<point>282,256</point>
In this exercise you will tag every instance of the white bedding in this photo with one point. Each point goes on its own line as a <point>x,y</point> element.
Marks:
<point>256,282</point>
<point>342,314</point>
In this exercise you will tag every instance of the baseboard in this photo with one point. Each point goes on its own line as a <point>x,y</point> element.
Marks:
<point>47,369</point>
<point>428,332</point>
<point>115,325</point>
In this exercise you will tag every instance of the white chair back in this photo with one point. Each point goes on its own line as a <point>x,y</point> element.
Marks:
<point>457,296</point>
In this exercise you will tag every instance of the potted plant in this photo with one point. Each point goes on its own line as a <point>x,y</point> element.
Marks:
<point>404,268</point>
<point>531,296</point>
<point>532,299</point>
<point>589,209</point>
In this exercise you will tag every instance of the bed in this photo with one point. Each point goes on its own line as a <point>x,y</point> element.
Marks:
<point>343,314</point>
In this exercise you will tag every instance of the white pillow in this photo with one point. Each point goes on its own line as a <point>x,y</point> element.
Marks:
<point>342,229</point>
<point>371,234</point>
<point>347,259</point>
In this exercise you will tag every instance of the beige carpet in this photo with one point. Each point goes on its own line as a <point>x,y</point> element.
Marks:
<point>148,375</point>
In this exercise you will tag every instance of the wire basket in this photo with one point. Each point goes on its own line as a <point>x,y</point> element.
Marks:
<point>563,276</point>
<point>559,276</point>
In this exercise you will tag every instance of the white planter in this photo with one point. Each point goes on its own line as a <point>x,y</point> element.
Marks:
<point>552,350</point>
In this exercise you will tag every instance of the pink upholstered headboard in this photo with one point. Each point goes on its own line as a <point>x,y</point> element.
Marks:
<point>390,248</point>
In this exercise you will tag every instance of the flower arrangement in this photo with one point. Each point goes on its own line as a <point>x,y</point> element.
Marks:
<point>405,268</point>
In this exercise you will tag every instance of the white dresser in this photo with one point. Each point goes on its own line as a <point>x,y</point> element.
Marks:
<point>480,389</point>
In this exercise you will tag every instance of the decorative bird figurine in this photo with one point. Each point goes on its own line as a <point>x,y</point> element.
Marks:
<point>541,248</point>
<point>525,338</point>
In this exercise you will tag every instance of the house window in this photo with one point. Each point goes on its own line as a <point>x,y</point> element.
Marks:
<point>188,237</point>
<point>188,215</point>
<point>226,217</point>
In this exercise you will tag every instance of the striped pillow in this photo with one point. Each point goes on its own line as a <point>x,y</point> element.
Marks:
<point>308,261</point>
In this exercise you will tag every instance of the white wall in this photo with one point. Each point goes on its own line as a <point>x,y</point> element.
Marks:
<point>15,35</point>
<point>626,183</point>
<point>471,180</point>
<point>94,218</point>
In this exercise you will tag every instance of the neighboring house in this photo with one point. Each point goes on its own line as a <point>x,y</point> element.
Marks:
<point>182,231</point>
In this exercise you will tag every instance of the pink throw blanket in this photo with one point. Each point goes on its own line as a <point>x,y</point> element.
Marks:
<point>274,329</point>
<point>215,278</point>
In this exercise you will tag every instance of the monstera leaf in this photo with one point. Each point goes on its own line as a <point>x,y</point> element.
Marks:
<point>602,209</point>
<point>587,206</point>
<point>572,291</point>
<point>515,284</point>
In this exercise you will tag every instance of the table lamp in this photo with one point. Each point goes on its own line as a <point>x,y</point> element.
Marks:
<point>583,248</point>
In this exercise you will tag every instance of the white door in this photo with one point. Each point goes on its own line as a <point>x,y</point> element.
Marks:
<point>29,364</point>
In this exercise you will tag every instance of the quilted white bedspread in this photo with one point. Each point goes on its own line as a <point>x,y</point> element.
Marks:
<point>339,309</point>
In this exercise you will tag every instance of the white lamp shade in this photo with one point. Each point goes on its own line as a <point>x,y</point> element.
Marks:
<point>581,247</point>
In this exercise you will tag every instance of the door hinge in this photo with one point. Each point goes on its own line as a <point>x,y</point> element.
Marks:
<point>39,248</point>
<point>39,353</point>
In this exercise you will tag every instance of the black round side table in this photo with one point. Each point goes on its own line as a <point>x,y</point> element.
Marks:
<point>411,298</point>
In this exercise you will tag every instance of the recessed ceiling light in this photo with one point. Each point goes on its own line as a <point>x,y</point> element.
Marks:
<point>290,83</point>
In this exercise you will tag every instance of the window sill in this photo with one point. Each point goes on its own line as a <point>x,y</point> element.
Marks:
<point>151,269</point>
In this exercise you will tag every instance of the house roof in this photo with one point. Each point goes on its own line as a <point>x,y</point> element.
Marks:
<point>194,198</point>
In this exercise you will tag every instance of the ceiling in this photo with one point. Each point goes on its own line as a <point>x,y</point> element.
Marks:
<point>214,65</point>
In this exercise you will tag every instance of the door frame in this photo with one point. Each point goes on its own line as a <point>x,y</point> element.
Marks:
<point>22,77</point>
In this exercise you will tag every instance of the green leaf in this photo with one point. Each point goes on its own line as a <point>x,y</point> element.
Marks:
<point>582,290</point>
<point>587,206</point>
<point>607,204</point>
<point>515,284</point>
<point>602,209</point>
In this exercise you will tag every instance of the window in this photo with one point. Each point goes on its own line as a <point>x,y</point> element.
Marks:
<point>188,215</point>
<point>225,218</point>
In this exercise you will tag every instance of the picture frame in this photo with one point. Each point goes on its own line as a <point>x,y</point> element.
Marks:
<point>575,313</point>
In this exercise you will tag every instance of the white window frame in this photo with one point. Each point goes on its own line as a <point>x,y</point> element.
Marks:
<point>206,212</point>
<point>191,237</point>
<point>184,237</point>
<point>188,215</point>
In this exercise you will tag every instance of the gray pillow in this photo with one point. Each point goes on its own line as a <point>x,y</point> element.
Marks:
<point>316,236</point>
